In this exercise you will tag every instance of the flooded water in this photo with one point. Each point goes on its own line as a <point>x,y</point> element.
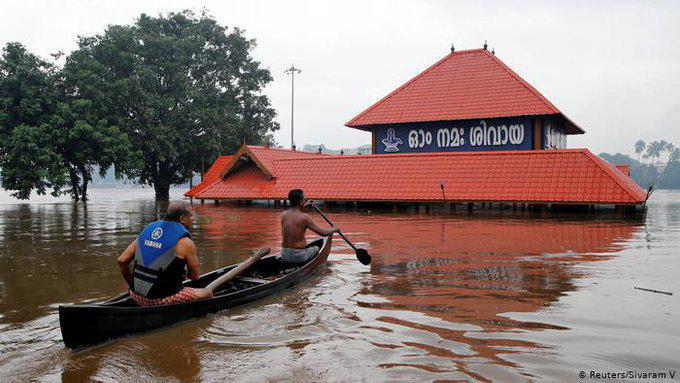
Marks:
<point>487,296</point>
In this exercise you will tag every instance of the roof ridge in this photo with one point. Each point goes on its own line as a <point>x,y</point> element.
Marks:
<point>533,90</point>
<point>419,75</point>
<point>524,83</point>
<point>608,171</point>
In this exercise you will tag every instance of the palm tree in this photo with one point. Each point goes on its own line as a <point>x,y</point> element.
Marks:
<point>639,148</point>
<point>654,150</point>
<point>669,148</point>
<point>674,155</point>
<point>662,147</point>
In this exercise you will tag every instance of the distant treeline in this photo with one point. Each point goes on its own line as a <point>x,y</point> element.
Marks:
<point>645,169</point>
<point>156,102</point>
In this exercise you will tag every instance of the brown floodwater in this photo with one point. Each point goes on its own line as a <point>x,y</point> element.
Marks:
<point>488,296</point>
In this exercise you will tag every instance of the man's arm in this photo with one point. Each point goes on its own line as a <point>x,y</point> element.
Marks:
<point>124,260</point>
<point>318,230</point>
<point>186,248</point>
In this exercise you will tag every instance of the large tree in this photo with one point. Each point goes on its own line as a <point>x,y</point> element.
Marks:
<point>183,87</point>
<point>27,101</point>
<point>50,139</point>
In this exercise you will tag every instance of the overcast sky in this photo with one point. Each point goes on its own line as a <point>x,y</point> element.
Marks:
<point>612,67</point>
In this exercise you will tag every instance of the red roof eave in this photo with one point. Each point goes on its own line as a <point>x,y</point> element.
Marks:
<point>571,176</point>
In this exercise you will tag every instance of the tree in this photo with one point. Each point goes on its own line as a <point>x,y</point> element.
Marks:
<point>27,100</point>
<point>183,88</point>
<point>669,147</point>
<point>49,138</point>
<point>674,156</point>
<point>654,150</point>
<point>639,148</point>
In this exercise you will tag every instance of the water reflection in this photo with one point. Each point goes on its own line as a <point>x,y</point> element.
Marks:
<point>492,296</point>
<point>473,269</point>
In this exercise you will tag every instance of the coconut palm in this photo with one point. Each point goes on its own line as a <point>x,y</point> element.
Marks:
<point>654,150</point>
<point>663,147</point>
<point>674,155</point>
<point>669,148</point>
<point>639,148</point>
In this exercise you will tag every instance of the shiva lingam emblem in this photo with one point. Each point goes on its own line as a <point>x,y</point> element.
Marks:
<point>391,141</point>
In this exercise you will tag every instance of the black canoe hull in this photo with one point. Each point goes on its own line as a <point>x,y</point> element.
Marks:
<point>89,324</point>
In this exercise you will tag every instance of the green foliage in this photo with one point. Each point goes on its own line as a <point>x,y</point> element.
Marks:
<point>29,162</point>
<point>157,101</point>
<point>183,88</point>
<point>670,177</point>
<point>49,138</point>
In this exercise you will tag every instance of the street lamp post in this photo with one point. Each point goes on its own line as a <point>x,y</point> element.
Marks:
<point>292,70</point>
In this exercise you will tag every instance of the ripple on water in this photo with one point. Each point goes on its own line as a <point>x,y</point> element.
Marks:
<point>491,296</point>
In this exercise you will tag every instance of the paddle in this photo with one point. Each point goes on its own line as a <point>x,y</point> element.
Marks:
<point>362,254</point>
<point>233,273</point>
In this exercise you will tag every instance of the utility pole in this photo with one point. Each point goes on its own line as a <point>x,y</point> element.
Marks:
<point>291,71</point>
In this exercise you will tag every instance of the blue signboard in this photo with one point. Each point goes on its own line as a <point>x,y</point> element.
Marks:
<point>456,136</point>
<point>553,134</point>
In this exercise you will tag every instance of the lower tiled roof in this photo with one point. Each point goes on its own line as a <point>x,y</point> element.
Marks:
<point>573,176</point>
<point>211,176</point>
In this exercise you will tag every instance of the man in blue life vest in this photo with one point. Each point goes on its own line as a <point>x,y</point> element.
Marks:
<point>294,225</point>
<point>163,256</point>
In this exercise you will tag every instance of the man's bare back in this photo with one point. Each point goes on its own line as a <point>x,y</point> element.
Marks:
<point>294,225</point>
<point>295,222</point>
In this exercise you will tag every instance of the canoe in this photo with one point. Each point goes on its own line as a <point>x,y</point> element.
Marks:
<point>89,324</point>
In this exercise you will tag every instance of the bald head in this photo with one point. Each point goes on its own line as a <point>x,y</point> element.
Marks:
<point>177,210</point>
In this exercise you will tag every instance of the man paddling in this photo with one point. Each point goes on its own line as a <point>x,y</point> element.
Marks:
<point>294,225</point>
<point>163,254</point>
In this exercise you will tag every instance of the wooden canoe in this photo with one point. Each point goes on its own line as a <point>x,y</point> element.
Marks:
<point>89,324</point>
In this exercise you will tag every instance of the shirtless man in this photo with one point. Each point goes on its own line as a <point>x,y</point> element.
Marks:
<point>294,224</point>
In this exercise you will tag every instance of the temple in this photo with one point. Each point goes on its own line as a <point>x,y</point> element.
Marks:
<point>466,130</point>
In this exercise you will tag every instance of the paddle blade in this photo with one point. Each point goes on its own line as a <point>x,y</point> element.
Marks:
<point>363,257</point>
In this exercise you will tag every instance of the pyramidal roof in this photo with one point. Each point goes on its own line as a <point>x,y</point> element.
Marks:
<point>464,85</point>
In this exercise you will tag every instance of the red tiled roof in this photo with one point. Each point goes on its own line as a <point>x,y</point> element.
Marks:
<point>538,176</point>
<point>263,157</point>
<point>213,174</point>
<point>463,85</point>
<point>625,169</point>
<point>266,156</point>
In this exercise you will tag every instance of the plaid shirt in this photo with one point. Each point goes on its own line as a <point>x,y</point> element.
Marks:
<point>187,294</point>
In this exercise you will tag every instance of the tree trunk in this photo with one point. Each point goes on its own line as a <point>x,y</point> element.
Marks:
<point>86,180</point>
<point>75,184</point>
<point>162,189</point>
<point>161,182</point>
<point>83,193</point>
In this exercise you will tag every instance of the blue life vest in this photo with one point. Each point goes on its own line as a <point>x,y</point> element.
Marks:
<point>158,272</point>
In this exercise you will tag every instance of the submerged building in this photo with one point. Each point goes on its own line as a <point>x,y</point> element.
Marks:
<point>466,130</point>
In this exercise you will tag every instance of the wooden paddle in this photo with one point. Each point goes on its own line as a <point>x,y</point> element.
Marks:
<point>233,273</point>
<point>362,254</point>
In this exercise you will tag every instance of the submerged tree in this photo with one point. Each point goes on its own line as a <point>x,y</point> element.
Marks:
<point>182,87</point>
<point>49,138</point>
<point>27,102</point>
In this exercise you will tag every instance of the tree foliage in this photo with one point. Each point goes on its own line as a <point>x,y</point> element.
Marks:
<point>49,138</point>
<point>182,87</point>
<point>25,104</point>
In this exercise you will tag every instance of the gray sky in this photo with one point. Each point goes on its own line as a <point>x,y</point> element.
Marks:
<point>612,67</point>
